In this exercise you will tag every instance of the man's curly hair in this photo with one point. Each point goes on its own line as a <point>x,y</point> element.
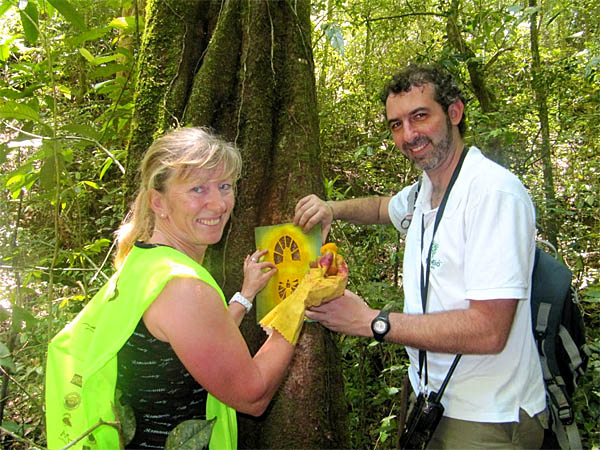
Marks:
<point>446,90</point>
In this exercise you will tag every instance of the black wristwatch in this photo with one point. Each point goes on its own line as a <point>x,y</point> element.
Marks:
<point>380,325</point>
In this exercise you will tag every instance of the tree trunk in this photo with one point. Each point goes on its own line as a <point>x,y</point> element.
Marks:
<point>541,98</point>
<point>245,69</point>
<point>476,69</point>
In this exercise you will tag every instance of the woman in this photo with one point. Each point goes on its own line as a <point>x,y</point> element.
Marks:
<point>160,330</point>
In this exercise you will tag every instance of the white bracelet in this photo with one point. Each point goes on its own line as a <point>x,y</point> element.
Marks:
<point>237,297</point>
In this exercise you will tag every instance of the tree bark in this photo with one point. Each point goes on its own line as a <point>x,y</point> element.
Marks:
<point>479,86</point>
<point>245,69</point>
<point>540,88</point>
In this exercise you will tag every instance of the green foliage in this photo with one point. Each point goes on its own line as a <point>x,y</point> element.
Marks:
<point>126,419</point>
<point>65,122</point>
<point>191,434</point>
<point>373,372</point>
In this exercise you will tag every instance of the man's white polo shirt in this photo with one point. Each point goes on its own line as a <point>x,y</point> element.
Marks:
<point>483,249</point>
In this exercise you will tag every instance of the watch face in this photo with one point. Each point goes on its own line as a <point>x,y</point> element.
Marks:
<point>380,326</point>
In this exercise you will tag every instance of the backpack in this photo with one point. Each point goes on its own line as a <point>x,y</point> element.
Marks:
<point>559,333</point>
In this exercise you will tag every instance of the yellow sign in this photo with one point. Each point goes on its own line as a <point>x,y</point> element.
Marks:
<point>291,250</point>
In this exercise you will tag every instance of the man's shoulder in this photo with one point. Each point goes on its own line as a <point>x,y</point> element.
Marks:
<point>489,175</point>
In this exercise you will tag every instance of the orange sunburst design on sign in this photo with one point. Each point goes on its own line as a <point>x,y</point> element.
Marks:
<point>291,250</point>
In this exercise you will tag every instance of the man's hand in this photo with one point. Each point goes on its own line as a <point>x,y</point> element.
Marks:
<point>348,314</point>
<point>311,210</point>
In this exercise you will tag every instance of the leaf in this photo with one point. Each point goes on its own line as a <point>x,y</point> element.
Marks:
<point>15,94</point>
<point>8,364</point>
<point>106,59</point>
<point>4,51</point>
<point>5,360</point>
<point>84,130</point>
<point>514,9</point>
<point>70,13</point>
<point>29,20</point>
<point>21,315</point>
<point>122,23</point>
<point>74,298</point>
<point>126,418</point>
<point>4,352</point>
<point>48,172</point>
<point>90,35</point>
<point>13,110</point>
<point>4,7</point>
<point>98,244</point>
<point>4,314</point>
<point>108,70</point>
<point>191,434</point>
<point>334,33</point>
<point>93,186</point>
<point>87,55</point>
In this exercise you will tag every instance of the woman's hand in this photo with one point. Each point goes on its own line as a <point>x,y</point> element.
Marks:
<point>256,275</point>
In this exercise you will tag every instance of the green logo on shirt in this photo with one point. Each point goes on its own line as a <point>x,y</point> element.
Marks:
<point>435,262</point>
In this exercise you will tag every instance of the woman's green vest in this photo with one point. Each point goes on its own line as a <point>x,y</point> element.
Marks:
<point>81,370</point>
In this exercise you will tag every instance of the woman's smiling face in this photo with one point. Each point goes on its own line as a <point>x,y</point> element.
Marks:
<point>194,211</point>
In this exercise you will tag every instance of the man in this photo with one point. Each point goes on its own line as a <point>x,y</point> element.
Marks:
<point>475,272</point>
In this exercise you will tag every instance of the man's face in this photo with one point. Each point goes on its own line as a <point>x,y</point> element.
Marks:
<point>420,127</point>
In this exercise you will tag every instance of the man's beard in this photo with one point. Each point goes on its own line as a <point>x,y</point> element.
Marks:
<point>437,155</point>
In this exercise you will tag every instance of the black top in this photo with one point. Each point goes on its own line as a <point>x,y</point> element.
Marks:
<point>159,388</point>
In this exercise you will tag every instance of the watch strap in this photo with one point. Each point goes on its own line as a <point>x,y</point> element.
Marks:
<point>239,298</point>
<point>383,316</point>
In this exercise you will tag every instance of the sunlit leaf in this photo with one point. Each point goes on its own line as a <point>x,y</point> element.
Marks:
<point>67,300</point>
<point>87,55</point>
<point>105,59</point>
<point>29,20</point>
<point>119,23</point>
<point>4,51</point>
<point>5,6</point>
<point>98,244</point>
<point>70,13</point>
<point>15,181</point>
<point>107,163</point>
<point>13,110</point>
<point>190,435</point>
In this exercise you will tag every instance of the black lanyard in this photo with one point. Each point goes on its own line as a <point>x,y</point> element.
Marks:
<point>425,271</point>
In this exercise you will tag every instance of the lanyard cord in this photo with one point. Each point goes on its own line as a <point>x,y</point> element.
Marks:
<point>425,272</point>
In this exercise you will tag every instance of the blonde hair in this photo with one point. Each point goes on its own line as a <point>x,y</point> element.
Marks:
<point>173,156</point>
